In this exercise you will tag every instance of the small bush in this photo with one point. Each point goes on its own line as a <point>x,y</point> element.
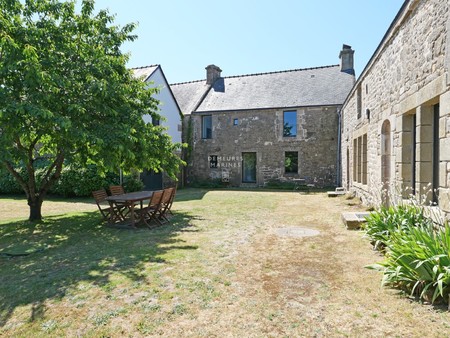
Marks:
<point>132,183</point>
<point>282,185</point>
<point>208,184</point>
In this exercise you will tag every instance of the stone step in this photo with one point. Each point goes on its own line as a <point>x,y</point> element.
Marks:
<point>354,220</point>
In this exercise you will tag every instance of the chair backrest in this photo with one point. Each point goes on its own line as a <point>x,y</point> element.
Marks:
<point>99,195</point>
<point>155,201</point>
<point>172,197</point>
<point>167,196</point>
<point>116,190</point>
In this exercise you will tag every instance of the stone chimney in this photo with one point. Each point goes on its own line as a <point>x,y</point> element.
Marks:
<point>212,74</point>
<point>346,56</point>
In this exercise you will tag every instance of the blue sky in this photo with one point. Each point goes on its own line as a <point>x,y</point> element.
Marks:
<point>250,36</point>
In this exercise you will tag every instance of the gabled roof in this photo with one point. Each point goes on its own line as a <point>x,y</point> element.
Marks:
<point>144,72</point>
<point>292,88</point>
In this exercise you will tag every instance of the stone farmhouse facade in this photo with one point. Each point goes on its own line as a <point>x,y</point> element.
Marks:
<point>395,128</point>
<point>250,129</point>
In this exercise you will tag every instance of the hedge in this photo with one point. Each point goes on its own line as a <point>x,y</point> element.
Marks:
<point>74,181</point>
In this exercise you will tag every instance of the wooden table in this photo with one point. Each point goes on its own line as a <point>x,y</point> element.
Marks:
<point>129,200</point>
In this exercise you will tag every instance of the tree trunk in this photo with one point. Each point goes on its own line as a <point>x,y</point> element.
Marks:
<point>35,208</point>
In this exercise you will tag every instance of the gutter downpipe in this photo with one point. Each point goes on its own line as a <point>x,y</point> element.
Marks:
<point>338,159</point>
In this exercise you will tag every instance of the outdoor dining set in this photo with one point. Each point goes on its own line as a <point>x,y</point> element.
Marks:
<point>133,208</point>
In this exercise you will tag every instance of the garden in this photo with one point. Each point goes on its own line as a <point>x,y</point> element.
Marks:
<point>228,262</point>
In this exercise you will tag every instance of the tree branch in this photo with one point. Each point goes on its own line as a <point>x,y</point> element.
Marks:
<point>50,177</point>
<point>16,175</point>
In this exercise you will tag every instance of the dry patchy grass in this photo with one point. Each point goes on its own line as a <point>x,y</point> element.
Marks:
<point>219,270</point>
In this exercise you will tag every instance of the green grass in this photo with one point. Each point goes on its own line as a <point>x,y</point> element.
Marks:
<point>217,267</point>
<point>103,275</point>
<point>74,258</point>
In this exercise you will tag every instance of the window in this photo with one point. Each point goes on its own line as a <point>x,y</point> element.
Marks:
<point>290,123</point>
<point>291,162</point>
<point>207,126</point>
<point>156,122</point>
<point>235,122</point>
<point>360,159</point>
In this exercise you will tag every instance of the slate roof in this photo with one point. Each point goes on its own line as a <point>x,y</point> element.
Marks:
<point>190,94</point>
<point>293,88</point>
<point>144,72</point>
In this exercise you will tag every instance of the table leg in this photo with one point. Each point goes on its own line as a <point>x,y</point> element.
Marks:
<point>133,222</point>
<point>111,213</point>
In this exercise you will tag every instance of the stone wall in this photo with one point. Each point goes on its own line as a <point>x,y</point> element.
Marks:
<point>405,79</point>
<point>261,132</point>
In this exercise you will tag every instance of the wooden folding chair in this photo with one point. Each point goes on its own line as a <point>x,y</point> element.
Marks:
<point>105,207</point>
<point>116,190</point>
<point>165,203</point>
<point>119,190</point>
<point>172,197</point>
<point>152,210</point>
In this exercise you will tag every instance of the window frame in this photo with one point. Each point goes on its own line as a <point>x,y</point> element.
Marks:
<point>206,132</point>
<point>295,166</point>
<point>287,125</point>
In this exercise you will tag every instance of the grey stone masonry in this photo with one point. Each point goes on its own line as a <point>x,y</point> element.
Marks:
<point>401,103</point>
<point>261,132</point>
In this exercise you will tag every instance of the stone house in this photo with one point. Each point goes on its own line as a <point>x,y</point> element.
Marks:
<point>168,107</point>
<point>395,127</point>
<point>247,130</point>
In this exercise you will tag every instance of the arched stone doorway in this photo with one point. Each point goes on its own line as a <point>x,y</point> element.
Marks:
<point>385,162</point>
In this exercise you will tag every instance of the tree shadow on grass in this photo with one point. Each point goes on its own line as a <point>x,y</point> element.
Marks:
<point>44,261</point>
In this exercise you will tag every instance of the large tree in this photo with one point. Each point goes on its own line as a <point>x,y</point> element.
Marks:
<point>67,95</point>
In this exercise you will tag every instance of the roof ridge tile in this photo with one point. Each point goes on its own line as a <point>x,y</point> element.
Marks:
<point>142,67</point>
<point>181,83</point>
<point>280,71</point>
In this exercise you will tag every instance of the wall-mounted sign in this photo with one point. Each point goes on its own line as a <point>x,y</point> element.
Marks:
<point>216,161</point>
<point>212,161</point>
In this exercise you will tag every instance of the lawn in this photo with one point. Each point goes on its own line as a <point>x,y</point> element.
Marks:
<point>223,267</point>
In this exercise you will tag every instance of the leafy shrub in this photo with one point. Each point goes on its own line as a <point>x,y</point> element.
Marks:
<point>382,224</point>
<point>79,181</point>
<point>132,183</point>
<point>208,184</point>
<point>282,185</point>
<point>418,261</point>
<point>8,185</point>
<point>74,181</point>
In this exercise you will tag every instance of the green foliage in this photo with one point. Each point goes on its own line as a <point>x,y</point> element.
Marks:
<point>277,184</point>
<point>417,253</point>
<point>418,261</point>
<point>74,181</point>
<point>9,185</point>
<point>132,183</point>
<point>67,96</point>
<point>208,184</point>
<point>80,181</point>
<point>382,224</point>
